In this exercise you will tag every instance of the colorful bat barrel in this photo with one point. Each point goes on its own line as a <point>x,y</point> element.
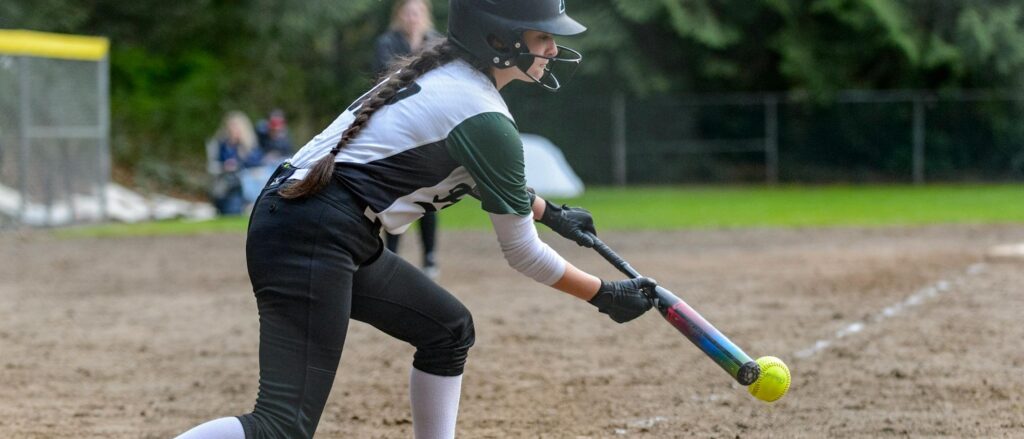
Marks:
<point>706,337</point>
<point>689,322</point>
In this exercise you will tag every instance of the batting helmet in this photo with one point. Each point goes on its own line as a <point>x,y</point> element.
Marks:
<point>492,31</point>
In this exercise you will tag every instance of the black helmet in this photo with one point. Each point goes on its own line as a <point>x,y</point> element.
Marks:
<point>492,31</point>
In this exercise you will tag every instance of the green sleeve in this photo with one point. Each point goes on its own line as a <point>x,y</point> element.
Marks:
<point>489,147</point>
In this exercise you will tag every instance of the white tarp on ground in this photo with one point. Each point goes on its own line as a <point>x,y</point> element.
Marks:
<point>123,205</point>
<point>547,172</point>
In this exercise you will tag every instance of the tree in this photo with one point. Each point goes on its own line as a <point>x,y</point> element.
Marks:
<point>177,66</point>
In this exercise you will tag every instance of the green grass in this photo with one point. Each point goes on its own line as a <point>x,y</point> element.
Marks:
<point>716,207</point>
<point>156,228</point>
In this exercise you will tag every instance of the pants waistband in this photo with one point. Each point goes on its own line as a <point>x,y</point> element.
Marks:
<point>335,193</point>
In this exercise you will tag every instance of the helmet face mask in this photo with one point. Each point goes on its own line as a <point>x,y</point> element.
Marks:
<point>492,31</point>
<point>563,65</point>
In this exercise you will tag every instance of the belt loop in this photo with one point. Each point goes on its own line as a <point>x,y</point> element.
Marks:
<point>280,175</point>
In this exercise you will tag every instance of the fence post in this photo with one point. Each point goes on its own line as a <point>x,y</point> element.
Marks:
<point>918,139</point>
<point>68,171</point>
<point>24,121</point>
<point>103,96</point>
<point>619,165</point>
<point>771,138</point>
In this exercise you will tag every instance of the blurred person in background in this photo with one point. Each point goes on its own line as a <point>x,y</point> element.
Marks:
<point>436,130</point>
<point>411,28</point>
<point>236,150</point>
<point>275,143</point>
<point>275,147</point>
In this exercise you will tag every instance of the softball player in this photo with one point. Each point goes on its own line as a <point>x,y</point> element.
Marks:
<point>431,133</point>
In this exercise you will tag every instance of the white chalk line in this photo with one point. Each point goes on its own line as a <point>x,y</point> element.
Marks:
<point>921,296</point>
<point>640,424</point>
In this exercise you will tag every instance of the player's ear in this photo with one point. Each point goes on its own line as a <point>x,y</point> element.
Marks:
<point>497,44</point>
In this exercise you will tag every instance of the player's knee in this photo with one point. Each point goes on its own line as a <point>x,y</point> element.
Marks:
<point>446,354</point>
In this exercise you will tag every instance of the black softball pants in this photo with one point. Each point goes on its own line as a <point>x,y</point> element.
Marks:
<point>428,238</point>
<point>315,263</point>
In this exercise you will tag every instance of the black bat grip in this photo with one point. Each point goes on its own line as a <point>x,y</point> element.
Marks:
<point>617,261</point>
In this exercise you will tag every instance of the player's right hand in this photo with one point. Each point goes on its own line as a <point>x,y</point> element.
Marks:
<point>624,300</point>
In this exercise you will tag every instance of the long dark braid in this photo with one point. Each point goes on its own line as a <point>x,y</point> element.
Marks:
<point>403,73</point>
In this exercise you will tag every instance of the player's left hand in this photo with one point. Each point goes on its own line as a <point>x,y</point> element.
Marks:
<point>573,223</point>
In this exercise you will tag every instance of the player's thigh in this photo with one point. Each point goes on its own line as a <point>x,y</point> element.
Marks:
<point>397,298</point>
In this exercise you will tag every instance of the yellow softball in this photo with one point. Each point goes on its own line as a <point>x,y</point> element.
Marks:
<point>773,382</point>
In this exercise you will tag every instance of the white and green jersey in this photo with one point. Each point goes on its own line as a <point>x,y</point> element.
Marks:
<point>445,136</point>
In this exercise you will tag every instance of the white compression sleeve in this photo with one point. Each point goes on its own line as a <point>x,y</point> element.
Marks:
<point>524,250</point>
<point>435,404</point>
<point>223,428</point>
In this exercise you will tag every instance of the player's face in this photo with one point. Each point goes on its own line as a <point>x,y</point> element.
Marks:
<point>542,44</point>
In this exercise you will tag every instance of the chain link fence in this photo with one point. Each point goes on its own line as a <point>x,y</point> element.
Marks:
<point>909,136</point>
<point>54,136</point>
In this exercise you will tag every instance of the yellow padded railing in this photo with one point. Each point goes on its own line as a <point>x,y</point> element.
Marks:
<point>50,45</point>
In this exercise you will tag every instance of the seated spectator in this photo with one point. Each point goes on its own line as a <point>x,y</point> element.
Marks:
<point>235,151</point>
<point>275,143</point>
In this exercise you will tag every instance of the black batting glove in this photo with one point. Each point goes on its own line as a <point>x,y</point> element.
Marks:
<point>624,300</point>
<point>573,223</point>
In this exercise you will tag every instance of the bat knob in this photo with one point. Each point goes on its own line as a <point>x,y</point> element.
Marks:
<point>748,373</point>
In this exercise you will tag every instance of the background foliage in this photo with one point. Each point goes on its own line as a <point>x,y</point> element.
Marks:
<point>178,66</point>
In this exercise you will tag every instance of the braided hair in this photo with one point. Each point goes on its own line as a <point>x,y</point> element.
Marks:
<point>402,73</point>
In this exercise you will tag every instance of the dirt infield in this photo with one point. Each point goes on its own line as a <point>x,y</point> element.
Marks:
<point>145,337</point>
